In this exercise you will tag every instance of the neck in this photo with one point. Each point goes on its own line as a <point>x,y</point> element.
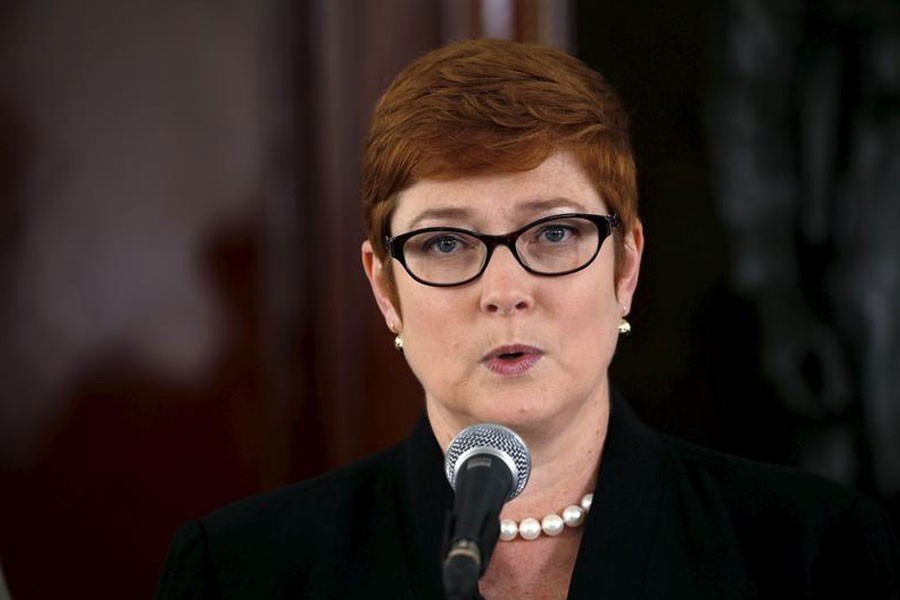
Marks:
<point>564,465</point>
<point>565,457</point>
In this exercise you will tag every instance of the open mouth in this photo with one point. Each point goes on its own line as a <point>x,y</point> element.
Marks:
<point>512,360</point>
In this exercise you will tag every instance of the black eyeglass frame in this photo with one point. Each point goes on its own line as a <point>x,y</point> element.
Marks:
<point>605,225</point>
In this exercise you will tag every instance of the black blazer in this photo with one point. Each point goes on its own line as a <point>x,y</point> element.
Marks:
<point>669,520</point>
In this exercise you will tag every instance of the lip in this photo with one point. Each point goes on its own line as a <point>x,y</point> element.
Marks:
<point>513,359</point>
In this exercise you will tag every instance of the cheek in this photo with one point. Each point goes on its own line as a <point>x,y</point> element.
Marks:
<point>594,288</point>
<point>432,321</point>
<point>592,318</point>
<point>590,313</point>
<point>435,344</point>
<point>420,307</point>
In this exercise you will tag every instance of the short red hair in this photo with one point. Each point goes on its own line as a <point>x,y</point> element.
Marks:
<point>494,106</point>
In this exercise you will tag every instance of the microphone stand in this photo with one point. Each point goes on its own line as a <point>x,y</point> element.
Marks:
<point>461,566</point>
<point>470,536</point>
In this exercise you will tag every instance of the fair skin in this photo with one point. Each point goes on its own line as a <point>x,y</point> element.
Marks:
<point>559,403</point>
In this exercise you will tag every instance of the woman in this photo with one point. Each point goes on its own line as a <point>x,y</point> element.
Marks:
<point>503,250</point>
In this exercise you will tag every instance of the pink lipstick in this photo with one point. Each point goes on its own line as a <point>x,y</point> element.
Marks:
<point>512,360</point>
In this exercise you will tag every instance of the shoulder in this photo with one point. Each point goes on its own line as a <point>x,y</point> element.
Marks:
<point>765,486</point>
<point>322,502</point>
<point>760,492</point>
<point>290,540</point>
<point>782,520</point>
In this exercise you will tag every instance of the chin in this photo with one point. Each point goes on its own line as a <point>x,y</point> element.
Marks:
<point>519,418</point>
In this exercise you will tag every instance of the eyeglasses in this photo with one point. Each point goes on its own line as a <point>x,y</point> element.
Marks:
<point>552,246</point>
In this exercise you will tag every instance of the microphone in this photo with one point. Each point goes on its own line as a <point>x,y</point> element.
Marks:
<point>486,465</point>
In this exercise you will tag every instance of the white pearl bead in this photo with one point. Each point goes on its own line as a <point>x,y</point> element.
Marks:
<point>529,528</point>
<point>552,524</point>
<point>586,502</point>
<point>508,530</point>
<point>573,516</point>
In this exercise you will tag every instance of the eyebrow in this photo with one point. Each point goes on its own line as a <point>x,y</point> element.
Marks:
<point>445,212</point>
<point>528,208</point>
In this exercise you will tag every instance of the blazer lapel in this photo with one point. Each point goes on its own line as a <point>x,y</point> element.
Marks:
<point>619,531</point>
<point>426,499</point>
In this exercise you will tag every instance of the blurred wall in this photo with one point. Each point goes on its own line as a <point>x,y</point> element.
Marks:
<point>134,163</point>
<point>804,115</point>
<point>767,141</point>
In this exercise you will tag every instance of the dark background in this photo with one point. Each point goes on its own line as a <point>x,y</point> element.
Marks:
<point>691,365</point>
<point>219,141</point>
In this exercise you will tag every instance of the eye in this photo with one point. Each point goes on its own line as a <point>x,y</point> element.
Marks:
<point>442,244</point>
<point>554,234</point>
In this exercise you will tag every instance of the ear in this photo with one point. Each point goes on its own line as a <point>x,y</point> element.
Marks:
<point>631,266</point>
<point>375,273</point>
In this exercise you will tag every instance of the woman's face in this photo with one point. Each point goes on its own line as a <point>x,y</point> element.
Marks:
<point>559,332</point>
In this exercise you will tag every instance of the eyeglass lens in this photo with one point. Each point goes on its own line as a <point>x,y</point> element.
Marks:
<point>550,247</point>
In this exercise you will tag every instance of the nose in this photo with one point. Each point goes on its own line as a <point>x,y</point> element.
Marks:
<point>506,287</point>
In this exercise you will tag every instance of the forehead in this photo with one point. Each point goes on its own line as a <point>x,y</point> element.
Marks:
<point>498,201</point>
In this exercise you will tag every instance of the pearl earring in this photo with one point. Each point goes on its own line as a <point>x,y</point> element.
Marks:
<point>398,341</point>
<point>624,325</point>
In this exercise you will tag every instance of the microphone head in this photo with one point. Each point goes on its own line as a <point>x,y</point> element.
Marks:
<point>490,438</point>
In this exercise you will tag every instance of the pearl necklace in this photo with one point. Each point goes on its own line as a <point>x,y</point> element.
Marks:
<point>530,528</point>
